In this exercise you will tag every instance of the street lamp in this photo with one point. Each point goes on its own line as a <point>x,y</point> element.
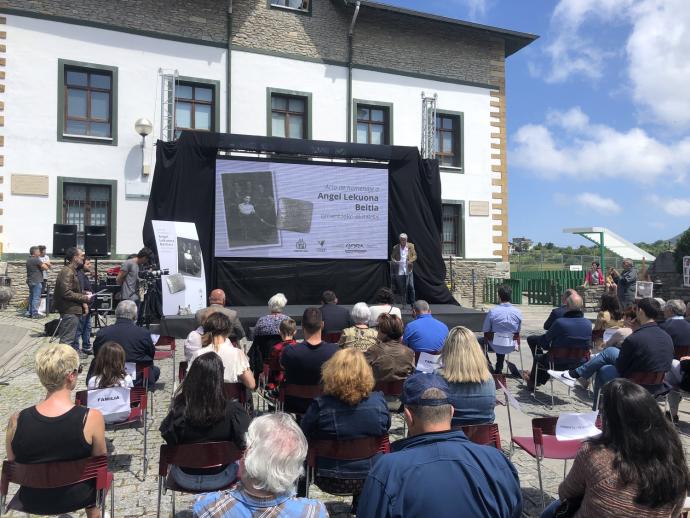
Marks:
<point>143,127</point>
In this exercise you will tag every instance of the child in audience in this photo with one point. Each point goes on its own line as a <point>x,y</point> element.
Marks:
<point>288,328</point>
<point>109,368</point>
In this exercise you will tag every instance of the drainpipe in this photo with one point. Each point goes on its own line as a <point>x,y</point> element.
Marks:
<point>228,72</point>
<point>349,71</point>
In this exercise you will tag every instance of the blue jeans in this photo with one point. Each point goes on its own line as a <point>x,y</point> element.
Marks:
<point>205,482</point>
<point>34,298</point>
<point>84,331</point>
<point>603,367</point>
<point>551,509</point>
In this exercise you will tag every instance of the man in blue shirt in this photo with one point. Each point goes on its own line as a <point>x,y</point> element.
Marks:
<point>436,471</point>
<point>503,321</point>
<point>425,334</point>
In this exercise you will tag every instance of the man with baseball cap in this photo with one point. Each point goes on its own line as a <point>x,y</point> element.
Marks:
<point>437,471</point>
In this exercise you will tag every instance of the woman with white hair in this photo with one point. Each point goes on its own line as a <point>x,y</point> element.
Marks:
<point>360,335</point>
<point>269,470</point>
<point>269,325</point>
<point>57,430</point>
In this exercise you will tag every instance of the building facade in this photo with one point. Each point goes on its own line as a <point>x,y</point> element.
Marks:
<point>76,75</point>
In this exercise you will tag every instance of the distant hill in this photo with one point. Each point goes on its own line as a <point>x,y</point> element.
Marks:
<point>675,239</point>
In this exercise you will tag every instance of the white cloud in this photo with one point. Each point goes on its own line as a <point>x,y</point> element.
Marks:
<point>656,49</point>
<point>568,144</point>
<point>476,9</point>
<point>597,203</point>
<point>671,206</point>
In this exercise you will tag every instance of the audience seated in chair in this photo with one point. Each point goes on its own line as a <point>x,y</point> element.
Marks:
<point>571,331</point>
<point>348,409</point>
<point>435,471</point>
<point>390,360</point>
<point>679,330</point>
<point>471,387</point>
<point>360,335</point>
<point>201,413</point>
<point>269,325</point>
<point>610,316</point>
<point>109,368</point>
<point>424,334</point>
<point>235,362</point>
<point>635,468</point>
<point>383,303</point>
<point>217,304</point>
<point>504,321</point>
<point>57,430</point>
<point>272,464</point>
<point>288,328</point>
<point>335,317</point>
<point>648,349</point>
<point>302,362</point>
<point>135,340</point>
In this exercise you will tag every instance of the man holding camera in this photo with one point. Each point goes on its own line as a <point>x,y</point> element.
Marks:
<point>128,278</point>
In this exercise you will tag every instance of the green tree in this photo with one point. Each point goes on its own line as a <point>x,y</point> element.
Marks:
<point>682,249</point>
<point>549,246</point>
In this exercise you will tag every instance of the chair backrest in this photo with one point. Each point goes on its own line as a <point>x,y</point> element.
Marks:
<point>347,449</point>
<point>55,474</point>
<point>390,388</point>
<point>569,353</point>
<point>138,402</point>
<point>542,426</point>
<point>485,434</point>
<point>498,380</point>
<point>235,391</point>
<point>301,391</point>
<point>332,337</point>
<point>647,378</point>
<point>681,350</point>
<point>166,340</point>
<point>182,371</point>
<point>197,456</point>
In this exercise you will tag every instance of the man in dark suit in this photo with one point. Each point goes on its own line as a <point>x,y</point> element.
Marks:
<point>675,324</point>
<point>135,340</point>
<point>335,318</point>
<point>556,313</point>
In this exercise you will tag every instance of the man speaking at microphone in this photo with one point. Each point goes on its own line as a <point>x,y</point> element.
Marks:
<point>404,257</point>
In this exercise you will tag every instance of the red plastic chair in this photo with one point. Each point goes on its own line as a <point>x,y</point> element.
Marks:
<point>343,450</point>
<point>486,434</point>
<point>393,389</point>
<point>168,341</point>
<point>182,371</point>
<point>195,456</point>
<point>489,337</point>
<point>236,391</point>
<point>332,337</point>
<point>544,445</point>
<point>296,391</point>
<point>498,380</point>
<point>138,401</point>
<point>559,353</point>
<point>51,475</point>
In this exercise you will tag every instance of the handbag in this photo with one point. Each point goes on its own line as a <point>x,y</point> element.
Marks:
<point>568,507</point>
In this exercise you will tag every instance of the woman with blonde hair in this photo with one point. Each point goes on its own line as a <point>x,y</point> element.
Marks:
<point>472,389</point>
<point>57,430</point>
<point>348,409</point>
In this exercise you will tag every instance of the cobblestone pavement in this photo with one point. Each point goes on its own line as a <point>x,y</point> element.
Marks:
<point>137,496</point>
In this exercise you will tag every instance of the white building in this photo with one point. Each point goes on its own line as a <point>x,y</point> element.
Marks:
<point>73,87</point>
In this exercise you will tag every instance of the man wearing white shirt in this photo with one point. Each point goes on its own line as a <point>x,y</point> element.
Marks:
<point>404,256</point>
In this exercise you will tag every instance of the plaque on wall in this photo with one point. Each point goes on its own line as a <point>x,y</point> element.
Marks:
<point>479,208</point>
<point>30,184</point>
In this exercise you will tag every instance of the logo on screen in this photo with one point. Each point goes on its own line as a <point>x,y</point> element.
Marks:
<point>322,246</point>
<point>355,248</point>
<point>301,245</point>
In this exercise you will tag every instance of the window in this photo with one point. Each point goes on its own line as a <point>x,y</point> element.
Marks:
<point>372,123</point>
<point>452,230</point>
<point>86,204</point>
<point>87,102</point>
<point>289,116</point>
<point>297,5</point>
<point>449,139</point>
<point>194,107</point>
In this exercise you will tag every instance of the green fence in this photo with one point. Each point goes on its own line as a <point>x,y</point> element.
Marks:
<point>565,278</point>
<point>491,284</point>
<point>543,292</point>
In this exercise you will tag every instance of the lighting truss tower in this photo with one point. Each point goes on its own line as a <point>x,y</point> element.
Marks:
<point>428,147</point>
<point>168,80</point>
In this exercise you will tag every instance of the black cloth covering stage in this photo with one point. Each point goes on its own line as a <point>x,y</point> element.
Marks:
<point>183,189</point>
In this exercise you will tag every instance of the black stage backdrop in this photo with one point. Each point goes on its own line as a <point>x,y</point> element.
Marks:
<point>183,190</point>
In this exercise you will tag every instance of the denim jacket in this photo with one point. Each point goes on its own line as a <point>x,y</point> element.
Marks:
<point>329,418</point>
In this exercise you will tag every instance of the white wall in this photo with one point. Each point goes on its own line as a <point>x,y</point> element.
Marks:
<point>31,145</point>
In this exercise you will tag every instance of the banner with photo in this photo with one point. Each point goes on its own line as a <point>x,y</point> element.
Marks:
<point>300,210</point>
<point>179,252</point>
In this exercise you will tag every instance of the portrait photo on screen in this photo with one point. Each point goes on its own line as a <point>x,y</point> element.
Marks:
<point>189,260</point>
<point>250,209</point>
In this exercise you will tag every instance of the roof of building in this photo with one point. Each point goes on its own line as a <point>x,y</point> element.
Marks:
<point>514,40</point>
<point>613,242</point>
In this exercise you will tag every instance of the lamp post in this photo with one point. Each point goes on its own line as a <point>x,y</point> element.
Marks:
<point>143,127</point>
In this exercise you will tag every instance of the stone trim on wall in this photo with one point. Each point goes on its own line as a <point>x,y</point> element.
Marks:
<point>3,64</point>
<point>499,167</point>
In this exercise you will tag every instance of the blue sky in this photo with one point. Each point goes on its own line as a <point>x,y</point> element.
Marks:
<point>598,114</point>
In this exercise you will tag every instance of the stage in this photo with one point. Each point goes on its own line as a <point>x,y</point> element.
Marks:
<point>451,315</point>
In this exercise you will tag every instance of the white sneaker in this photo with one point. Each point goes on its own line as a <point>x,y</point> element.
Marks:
<point>563,377</point>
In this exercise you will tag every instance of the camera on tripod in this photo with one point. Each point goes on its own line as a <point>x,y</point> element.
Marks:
<point>153,275</point>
